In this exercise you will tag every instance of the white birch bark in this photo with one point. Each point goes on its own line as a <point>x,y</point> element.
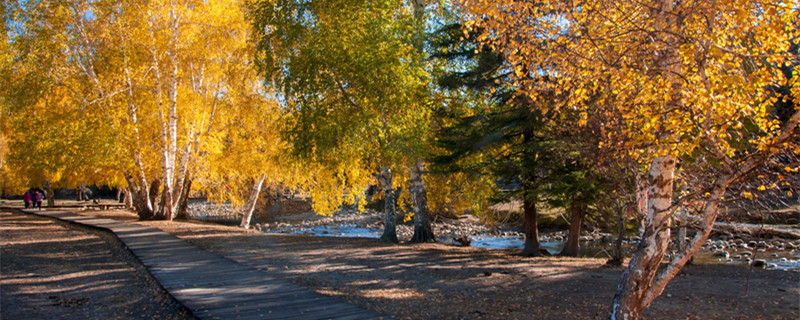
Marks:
<point>422,225</point>
<point>138,193</point>
<point>634,286</point>
<point>183,171</point>
<point>635,282</point>
<point>158,92</point>
<point>128,199</point>
<point>389,228</point>
<point>171,130</point>
<point>138,197</point>
<point>250,206</point>
<point>711,208</point>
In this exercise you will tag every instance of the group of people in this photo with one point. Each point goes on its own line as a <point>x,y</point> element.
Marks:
<point>33,200</point>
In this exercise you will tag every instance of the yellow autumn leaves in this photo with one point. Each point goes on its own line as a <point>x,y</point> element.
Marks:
<point>726,58</point>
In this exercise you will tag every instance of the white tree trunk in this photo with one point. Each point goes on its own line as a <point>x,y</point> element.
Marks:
<point>389,228</point>
<point>143,191</point>
<point>168,202</point>
<point>138,197</point>
<point>128,199</point>
<point>633,288</point>
<point>250,206</point>
<point>167,172</point>
<point>711,208</point>
<point>138,194</point>
<point>709,216</point>
<point>166,168</point>
<point>419,197</point>
<point>183,172</point>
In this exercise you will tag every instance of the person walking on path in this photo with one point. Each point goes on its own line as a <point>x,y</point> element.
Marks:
<point>27,199</point>
<point>38,195</point>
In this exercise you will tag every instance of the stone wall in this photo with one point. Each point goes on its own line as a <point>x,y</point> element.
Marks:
<point>269,206</point>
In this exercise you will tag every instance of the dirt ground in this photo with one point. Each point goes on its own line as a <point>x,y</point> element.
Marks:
<point>54,270</point>
<point>435,281</point>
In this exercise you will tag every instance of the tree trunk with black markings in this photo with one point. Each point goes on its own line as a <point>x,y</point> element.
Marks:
<point>419,196</point>
<point>389,228</point>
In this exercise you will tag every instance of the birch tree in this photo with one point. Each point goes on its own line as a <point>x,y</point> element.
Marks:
<point>249,154</point>
<point>688,77</point>
<point>354,87</point>
<point>52,141</point>
<point>194,79</point>
<point>136,87</point>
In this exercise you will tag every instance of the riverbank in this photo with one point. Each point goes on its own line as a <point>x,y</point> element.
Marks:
<point>783,254</point>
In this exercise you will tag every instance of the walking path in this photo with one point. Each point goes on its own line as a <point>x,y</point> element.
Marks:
<point>214,287</point>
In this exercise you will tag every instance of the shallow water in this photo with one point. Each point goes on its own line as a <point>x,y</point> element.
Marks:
<point>774,259</point>
<point>506,242</point>
<point>345,231</point>
<point>785,259</point>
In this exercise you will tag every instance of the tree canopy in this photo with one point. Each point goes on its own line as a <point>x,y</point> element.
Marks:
<point>693,102</point>
<point>679,80</point>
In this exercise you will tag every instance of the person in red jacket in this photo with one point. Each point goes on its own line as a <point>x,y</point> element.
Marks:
<point>27,199</point>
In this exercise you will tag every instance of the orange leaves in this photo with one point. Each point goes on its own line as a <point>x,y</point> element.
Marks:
<point>664,91</point>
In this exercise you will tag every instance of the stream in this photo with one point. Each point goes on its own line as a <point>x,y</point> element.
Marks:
<point>770,256</point>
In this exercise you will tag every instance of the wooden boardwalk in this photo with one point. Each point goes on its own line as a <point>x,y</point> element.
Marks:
<point>214,287</point>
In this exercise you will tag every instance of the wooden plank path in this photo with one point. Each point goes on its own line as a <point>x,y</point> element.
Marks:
<point>214,287</point>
